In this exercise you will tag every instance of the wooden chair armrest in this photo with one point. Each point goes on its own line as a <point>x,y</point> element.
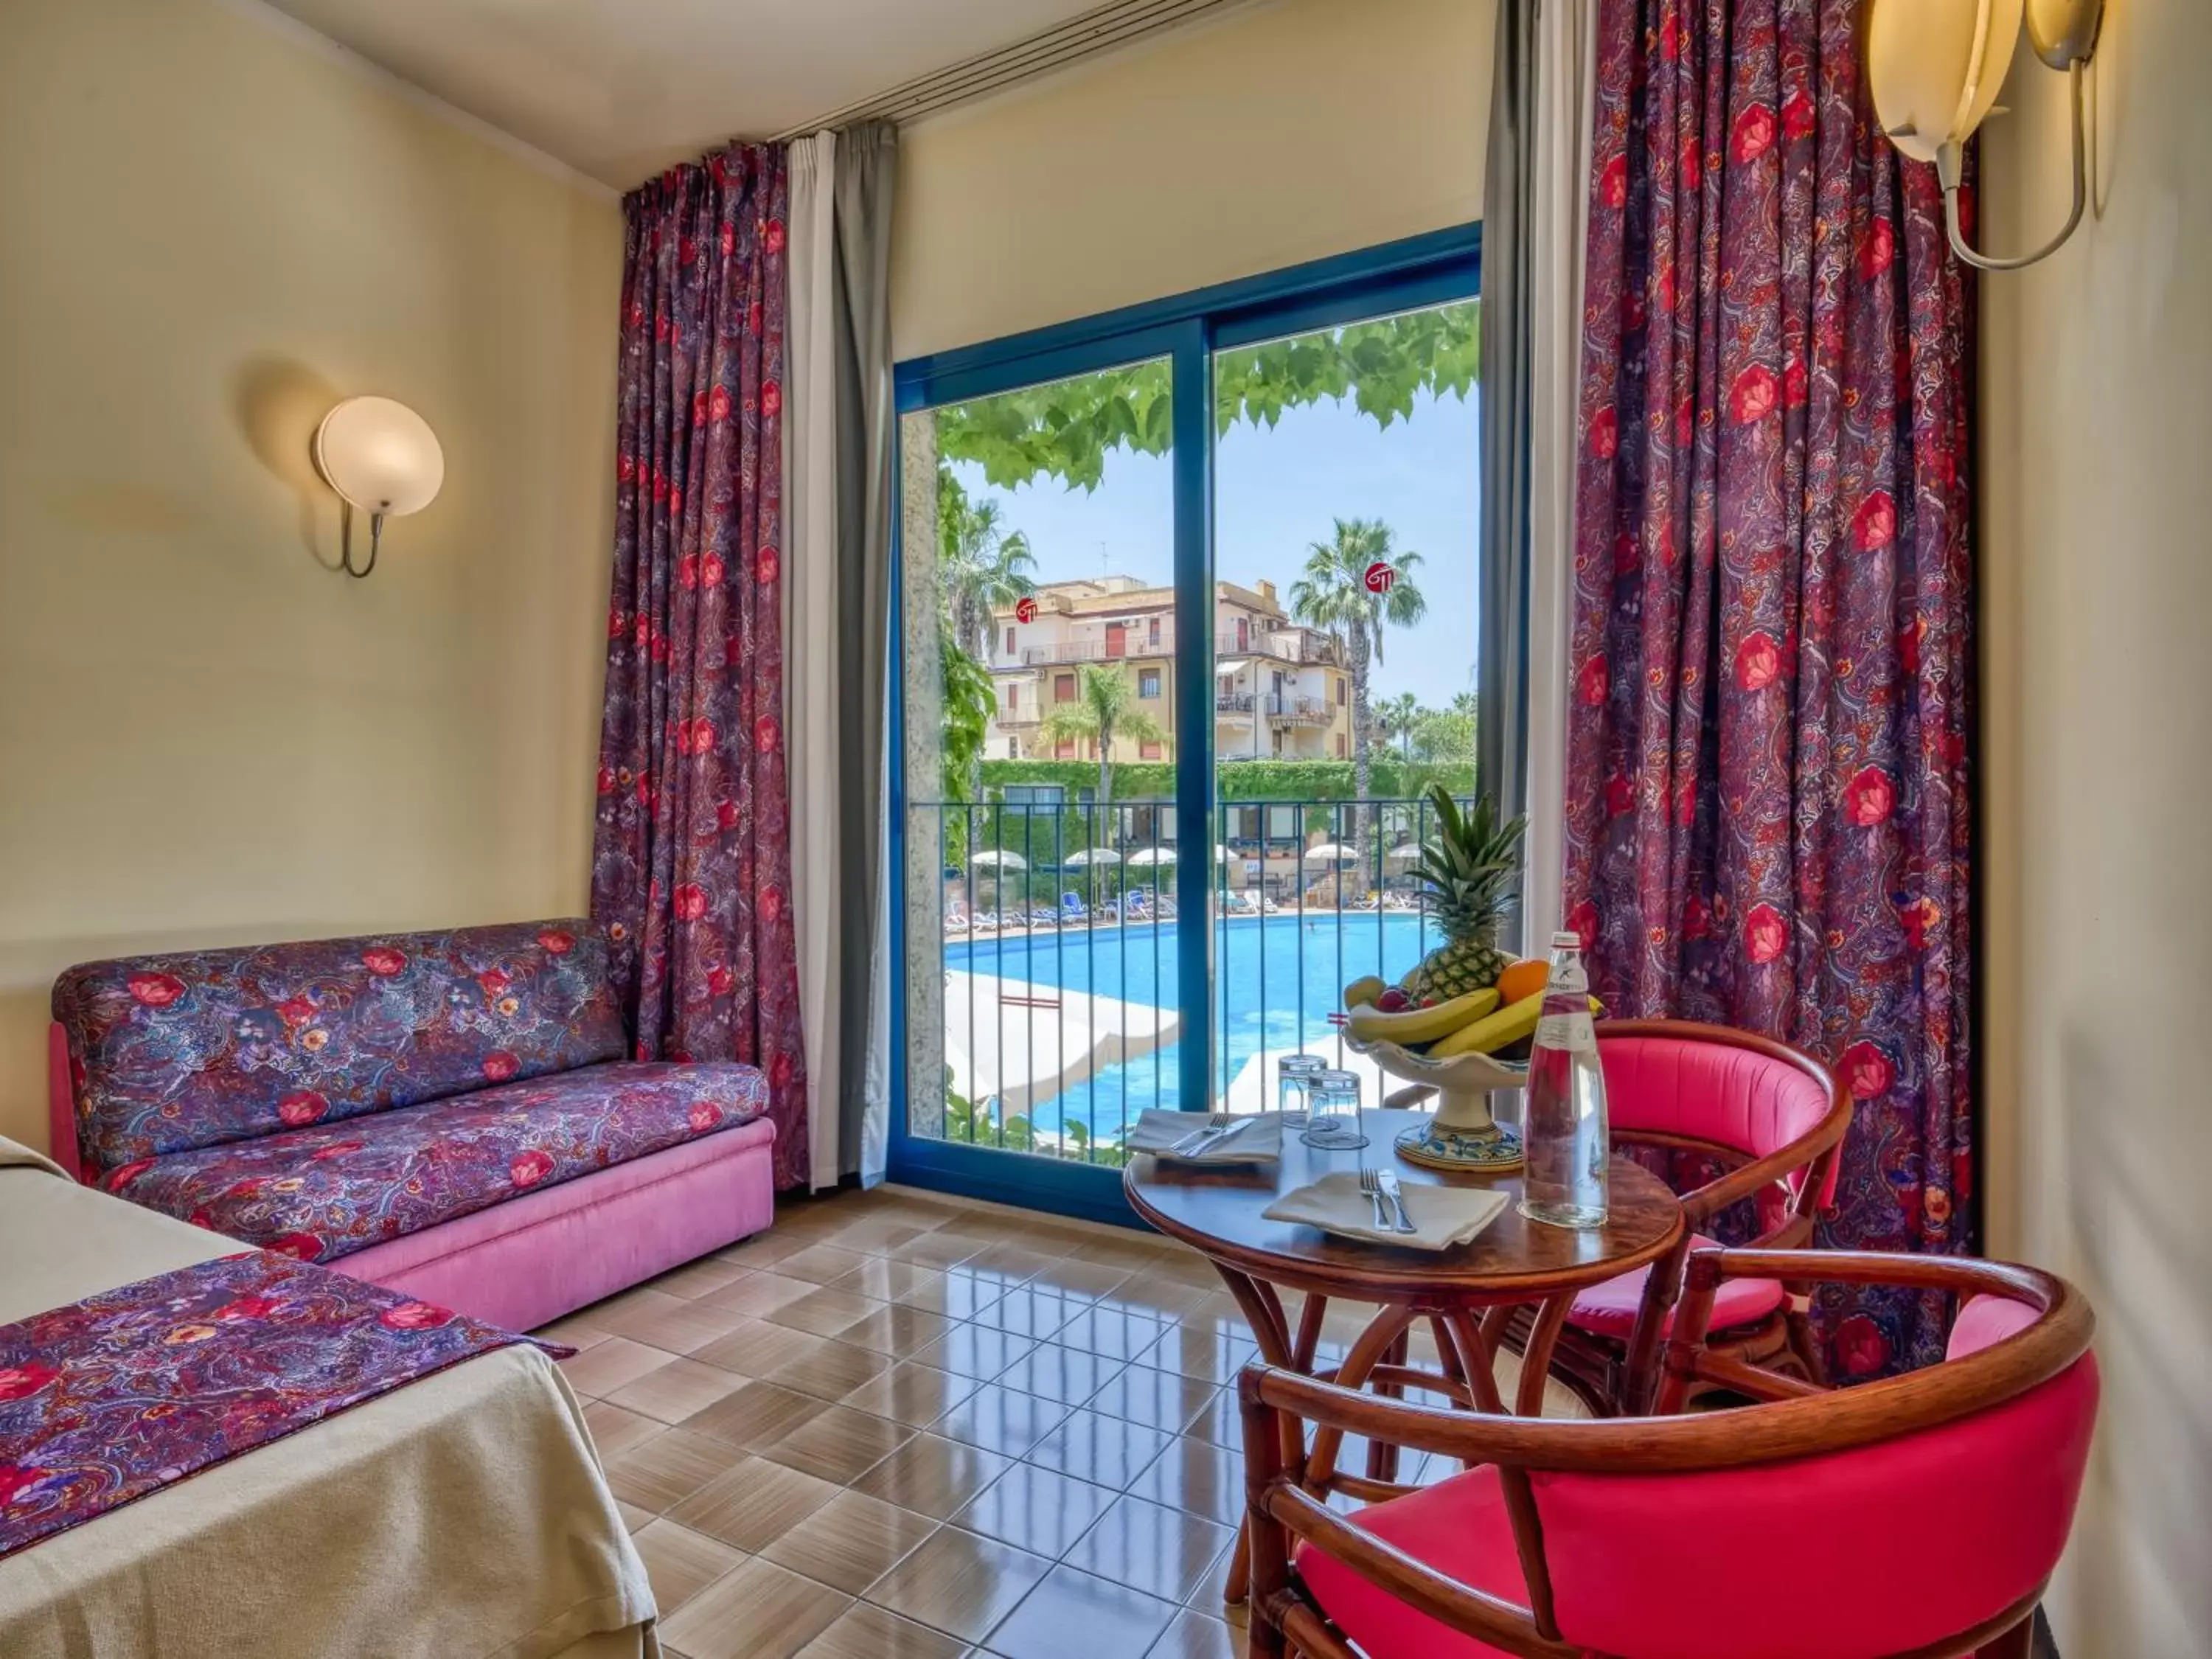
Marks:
<point>1471,1436</point>
<point>1458,1606</point>
<point>1959,1275</point>
<point>1734,1186</point>
<point>2019,1361</point>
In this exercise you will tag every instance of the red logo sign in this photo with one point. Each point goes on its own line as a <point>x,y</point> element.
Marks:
<point>1026,609</point>
<point>1379,577</point>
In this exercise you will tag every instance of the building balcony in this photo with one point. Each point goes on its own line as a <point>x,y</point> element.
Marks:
<point>1300,711</point>
<point>1037,656</point>
<point>1287,645</point>
<point>1280,710</point>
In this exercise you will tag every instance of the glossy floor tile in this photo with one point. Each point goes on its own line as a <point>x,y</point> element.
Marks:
<point>1072,1615</point>
<point>1150,1547</point>
<point>900,1427</point>
<point>756,1611</point>
<point>867,1632</point>
<point>851,1541</point>
<point>754,1503</point>
<point>960,1584</point>
<point>1036,1510</point>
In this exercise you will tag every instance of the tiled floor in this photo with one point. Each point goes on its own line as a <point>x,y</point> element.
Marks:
<point>900,1427</point>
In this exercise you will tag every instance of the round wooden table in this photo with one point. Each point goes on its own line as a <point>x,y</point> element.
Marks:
<point>1468,1293</point>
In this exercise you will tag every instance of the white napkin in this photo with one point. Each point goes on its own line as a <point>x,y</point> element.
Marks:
<point>1442,1216</point>
<point>1257,1137</point>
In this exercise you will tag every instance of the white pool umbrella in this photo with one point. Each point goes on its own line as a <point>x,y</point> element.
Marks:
<point>1330,852</point>
<point>1150,856</point>
<point>1090,855</point>
<point>992,859</point>
<point>1406,852</point>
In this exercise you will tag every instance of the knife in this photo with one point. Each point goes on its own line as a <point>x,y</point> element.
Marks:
<point>1396,1195</point>
<point>1206,1141</point>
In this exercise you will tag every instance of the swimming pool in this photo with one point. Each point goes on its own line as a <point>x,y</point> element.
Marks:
<point>1277,979</point>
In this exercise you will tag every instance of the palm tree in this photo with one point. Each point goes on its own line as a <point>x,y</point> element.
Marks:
<point>982,566</point>
<point>1333,596</point>
<point>1103,708</point>
<point>1395,718</point>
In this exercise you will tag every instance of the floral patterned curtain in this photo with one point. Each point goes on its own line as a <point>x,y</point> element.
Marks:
<point>1771,724</point>
<point>691,862</point>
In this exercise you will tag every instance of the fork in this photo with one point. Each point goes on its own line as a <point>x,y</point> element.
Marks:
<point>1370,1183</point>
<point>1196,1142</point>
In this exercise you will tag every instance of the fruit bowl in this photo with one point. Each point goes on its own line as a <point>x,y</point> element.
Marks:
<point>1462,1135</point>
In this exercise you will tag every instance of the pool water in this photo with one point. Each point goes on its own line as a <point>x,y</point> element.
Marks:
<point>1277,979</point>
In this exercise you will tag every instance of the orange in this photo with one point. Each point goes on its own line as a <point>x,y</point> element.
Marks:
<point>1522,979</point>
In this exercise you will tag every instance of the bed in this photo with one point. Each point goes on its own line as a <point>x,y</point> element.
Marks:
<point>463,1516</point>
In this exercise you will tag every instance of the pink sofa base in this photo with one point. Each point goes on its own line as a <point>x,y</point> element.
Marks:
<point>532,1259</point>
<point>529,1261</point>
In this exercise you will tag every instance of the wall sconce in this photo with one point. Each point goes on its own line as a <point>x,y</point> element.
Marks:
<point>1935,67</point>
<point>381,457</point>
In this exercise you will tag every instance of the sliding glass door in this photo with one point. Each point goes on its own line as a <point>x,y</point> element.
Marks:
<point>1144,827</point>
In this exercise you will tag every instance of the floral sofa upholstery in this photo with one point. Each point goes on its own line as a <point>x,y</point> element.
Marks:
<point>450,1113</point>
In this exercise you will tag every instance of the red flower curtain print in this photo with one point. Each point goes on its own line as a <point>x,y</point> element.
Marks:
<point>1767,754</point>
<point>691,862</point>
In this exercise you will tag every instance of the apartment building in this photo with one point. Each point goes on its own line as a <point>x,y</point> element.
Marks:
<point>1281,691</point>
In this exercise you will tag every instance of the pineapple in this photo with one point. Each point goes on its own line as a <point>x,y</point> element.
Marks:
<point>1469,866</point>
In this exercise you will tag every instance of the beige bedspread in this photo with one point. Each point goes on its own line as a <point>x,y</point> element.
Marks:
<point>461,1517</point>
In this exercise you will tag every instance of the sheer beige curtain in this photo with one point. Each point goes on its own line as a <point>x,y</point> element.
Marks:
<point>809,592</point>
<point>1559,135</point>
<point>837,544</point>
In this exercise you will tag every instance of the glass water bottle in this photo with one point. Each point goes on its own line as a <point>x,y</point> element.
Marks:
<point>1563,1131</point>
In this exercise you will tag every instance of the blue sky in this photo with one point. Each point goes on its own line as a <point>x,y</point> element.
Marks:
<point>1278,489</point>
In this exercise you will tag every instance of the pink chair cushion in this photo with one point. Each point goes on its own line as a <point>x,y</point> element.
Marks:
<point>1985,1321</point>
<point>1610,1309</point>
<point>1734,1097</point>
<point>1460,1527</point>
<point>1894,1546</point>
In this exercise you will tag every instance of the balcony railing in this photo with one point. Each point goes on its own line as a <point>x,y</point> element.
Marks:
<point>1286,645</point>
<point>1056,1015</point>
<point>1277,707</point>
<point>1035,656</point>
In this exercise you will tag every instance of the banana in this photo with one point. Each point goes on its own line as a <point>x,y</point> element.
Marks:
<point>1507,1025</point>
<point>1362,993</point>
<point>1422,1024</point>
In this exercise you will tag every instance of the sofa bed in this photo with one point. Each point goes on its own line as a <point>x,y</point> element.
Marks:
<point>452,1114</point>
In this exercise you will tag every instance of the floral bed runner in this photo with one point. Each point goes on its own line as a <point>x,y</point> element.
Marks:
<point>107,1400</point>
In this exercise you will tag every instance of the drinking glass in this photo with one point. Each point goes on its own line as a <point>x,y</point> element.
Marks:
<point>1333,1100</point>
<point>1294,1076</point>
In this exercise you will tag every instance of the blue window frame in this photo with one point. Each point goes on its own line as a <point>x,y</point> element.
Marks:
<point>1188,329</point>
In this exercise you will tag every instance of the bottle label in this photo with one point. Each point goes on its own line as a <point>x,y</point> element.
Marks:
<point>1569,1033</point>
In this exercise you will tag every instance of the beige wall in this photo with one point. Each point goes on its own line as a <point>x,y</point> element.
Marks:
<point>1283,133</point>
<point>2098,599</point>
<point>208,233</point>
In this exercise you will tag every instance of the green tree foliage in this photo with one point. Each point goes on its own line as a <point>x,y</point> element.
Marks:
<point>1443,735</point>
<point>1332,595</point>
<point>1065,429</point>
<point>1395,719</point>
<point>979,565</point>
<point>968,697</point>
<point>974,1123</point>
<point>1105,707</point>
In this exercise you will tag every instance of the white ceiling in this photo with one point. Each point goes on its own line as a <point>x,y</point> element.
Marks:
<point>620,88</point>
